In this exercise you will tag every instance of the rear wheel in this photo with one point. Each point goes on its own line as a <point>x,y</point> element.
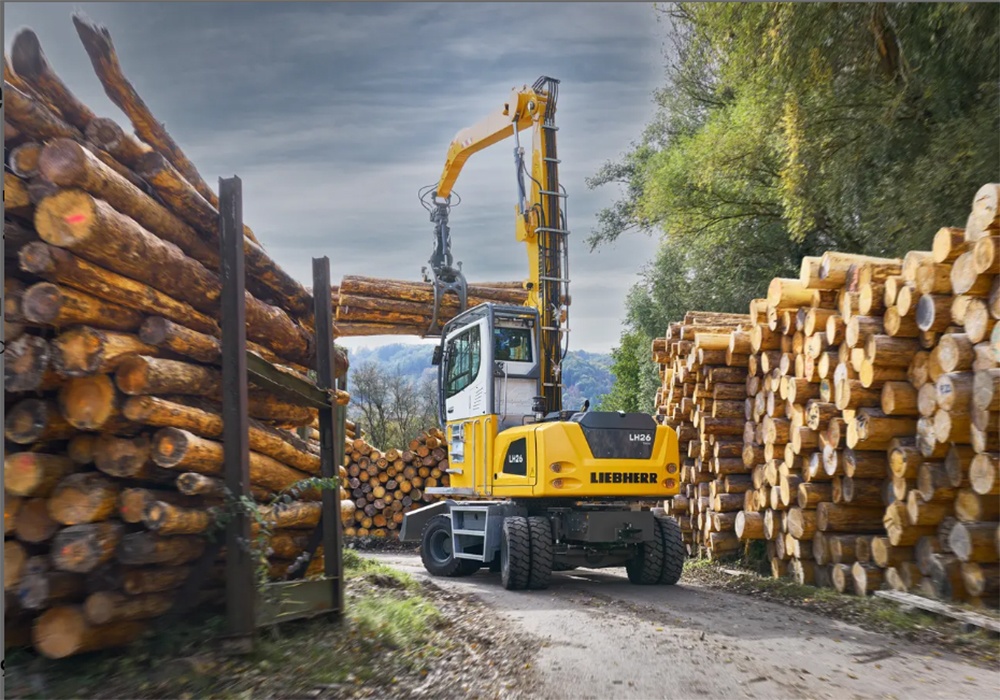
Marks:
<point>435,549</point>
<point>515,553</point>
<point>541,552</point>
<point>646,566</point>
<point>673,550</point>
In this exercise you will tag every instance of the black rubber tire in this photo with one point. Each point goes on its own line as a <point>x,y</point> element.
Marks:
<point>674,553</point>
<point>435,548</point>
<point>467,567</point>
<point>515,553</point>
<point>542,547</point>
<point>646,566</point>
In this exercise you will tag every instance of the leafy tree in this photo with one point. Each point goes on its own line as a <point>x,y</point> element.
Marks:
<point>789,129</point>
<point>390,406</point>
<point>635,374</point>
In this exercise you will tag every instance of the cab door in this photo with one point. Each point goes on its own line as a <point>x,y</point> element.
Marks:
<point>467,392</point>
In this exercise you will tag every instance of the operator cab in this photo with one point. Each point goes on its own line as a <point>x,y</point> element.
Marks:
<point>488,365</point>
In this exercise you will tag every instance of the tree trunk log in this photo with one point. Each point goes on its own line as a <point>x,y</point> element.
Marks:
<point>123,146</point>
<point>34,118</point>
<point>145,548</point>
<point>63,631</point>
<point>68,164</point>
<point>36,420</point>
<point>34,473</point>
<point>281,445</point>
<point>82,548</point>
<point>85,497</point>
<point>84,350</point>
<point>60,266</point>
<point>178,449</point>
<point>141,375</point>
<point>56,305</point>
<point>166,519</point>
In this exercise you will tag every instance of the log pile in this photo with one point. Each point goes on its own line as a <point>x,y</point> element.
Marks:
<point>384,485</point>
<point>871,406</point>
<point>370,306</point>
<point>701,397</point>
<point>112,377</point>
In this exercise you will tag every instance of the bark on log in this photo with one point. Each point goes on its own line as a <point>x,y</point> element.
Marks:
<point>15,196</point>
<point>64,631</point>
<point>266,279</point>
<point>144,548</point>
<point>35,119</point>
<point>280,445</point>
<point>60,266</point>
<point>107,607</point>
<point>59,306</point>
<point>70,165</point>
<point>31,65</point>
<point>167,519</point>
<point>178,449</point>
<point>85,350</point>
<point>142,375</point>
<point>99,47</point>
<point>123,146</point>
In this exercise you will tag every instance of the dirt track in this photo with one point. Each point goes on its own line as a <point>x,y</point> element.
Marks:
<point>605,638</point>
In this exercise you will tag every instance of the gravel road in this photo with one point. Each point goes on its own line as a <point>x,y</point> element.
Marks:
<point>602,637</point>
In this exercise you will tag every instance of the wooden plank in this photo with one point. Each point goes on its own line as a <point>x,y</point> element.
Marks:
<point>939,608</point>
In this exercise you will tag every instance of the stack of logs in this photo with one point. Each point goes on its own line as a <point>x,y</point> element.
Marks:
<point>384,485</point>
<point>369,306</point>
<point>871,407</point>
<point>112,356</point>
<point>702,398</point>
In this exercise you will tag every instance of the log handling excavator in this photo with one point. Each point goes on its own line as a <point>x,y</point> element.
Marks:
<point>533,488</point>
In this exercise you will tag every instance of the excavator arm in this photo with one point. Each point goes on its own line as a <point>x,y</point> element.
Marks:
<point>540,218</point>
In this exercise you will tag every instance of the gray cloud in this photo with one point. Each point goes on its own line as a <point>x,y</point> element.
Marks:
<point>334,114</point>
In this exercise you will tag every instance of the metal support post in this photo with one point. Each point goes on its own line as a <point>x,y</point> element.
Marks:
<point>331,439</point>
<point>241,592</point>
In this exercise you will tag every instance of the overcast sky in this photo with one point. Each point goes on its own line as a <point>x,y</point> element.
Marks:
<point>335,114</point>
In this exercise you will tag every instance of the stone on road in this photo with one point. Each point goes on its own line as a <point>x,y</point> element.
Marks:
<point>603,637</point>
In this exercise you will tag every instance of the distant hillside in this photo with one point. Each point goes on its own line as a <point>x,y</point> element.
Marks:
<point>587,375</point>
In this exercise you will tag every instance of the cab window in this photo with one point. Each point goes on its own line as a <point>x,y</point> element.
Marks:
<point>464,355</point>
<point>512,344</point>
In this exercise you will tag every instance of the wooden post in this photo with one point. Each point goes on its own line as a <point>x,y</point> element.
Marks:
<point>241,593</point>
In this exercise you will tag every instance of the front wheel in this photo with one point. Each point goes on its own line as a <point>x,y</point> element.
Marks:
<point>436,550</point>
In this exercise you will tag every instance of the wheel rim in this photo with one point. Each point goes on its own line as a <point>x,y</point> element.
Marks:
<point>439,547</point>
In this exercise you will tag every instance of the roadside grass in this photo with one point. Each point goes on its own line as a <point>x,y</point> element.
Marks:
<point>868,612</point>
<point>390,631</point>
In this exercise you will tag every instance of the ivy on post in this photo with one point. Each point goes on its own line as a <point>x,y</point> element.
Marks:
<point>241,592</point>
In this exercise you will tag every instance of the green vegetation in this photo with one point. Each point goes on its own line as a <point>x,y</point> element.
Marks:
<point>788,129</point>
<point>391,631</point>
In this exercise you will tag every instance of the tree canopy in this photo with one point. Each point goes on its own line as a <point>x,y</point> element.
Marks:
<point>789,129</point>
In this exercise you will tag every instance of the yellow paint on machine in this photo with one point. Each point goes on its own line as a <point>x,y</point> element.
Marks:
<point>557,463</point>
